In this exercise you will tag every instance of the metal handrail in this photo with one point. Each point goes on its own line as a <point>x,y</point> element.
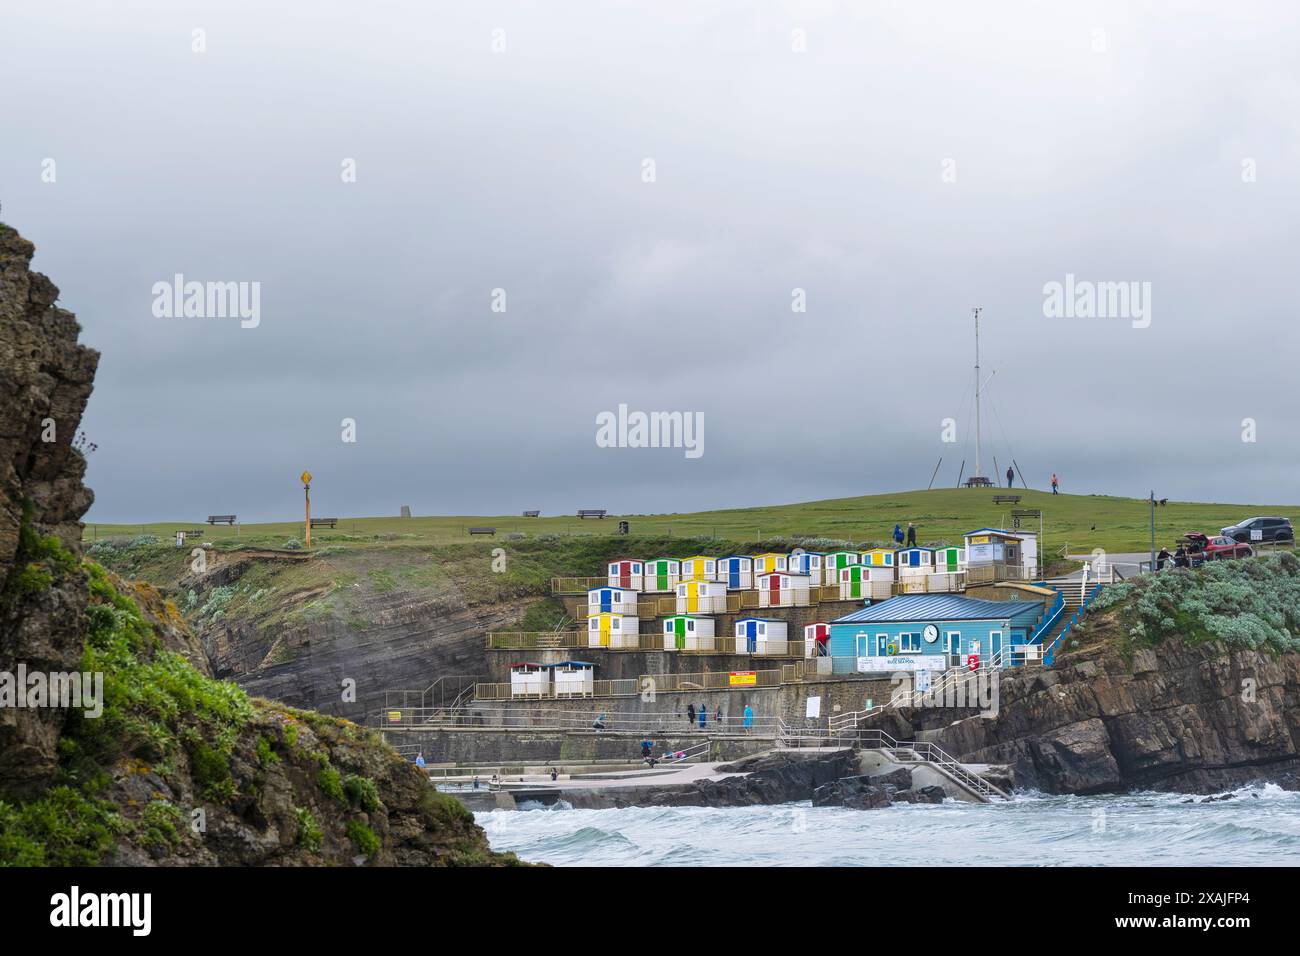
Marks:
<point>928,752</point>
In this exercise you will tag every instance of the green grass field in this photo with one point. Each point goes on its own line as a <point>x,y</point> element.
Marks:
<point>942,515</point>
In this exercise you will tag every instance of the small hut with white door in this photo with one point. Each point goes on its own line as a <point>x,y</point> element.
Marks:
<point>528,679</point>
<point>687,632</point>
<point>573,679</point>
<point>761,635</point>
<point>701,597</point>
<point>783,589</point>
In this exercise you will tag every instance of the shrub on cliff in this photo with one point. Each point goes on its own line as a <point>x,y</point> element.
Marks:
<point>1252,603</point>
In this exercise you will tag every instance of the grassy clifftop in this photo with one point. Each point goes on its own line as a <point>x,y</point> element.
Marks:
<point>1083,521</point>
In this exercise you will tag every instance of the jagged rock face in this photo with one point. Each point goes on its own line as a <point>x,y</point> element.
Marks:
<point>45,381</point>
<point>1184,718</point>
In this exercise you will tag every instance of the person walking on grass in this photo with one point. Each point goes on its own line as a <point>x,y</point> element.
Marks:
<point>1054,483</point>
<point>911,535</point>
<point>1011,477</point>
<point>898,534</point>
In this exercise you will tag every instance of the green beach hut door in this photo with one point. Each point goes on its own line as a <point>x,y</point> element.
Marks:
<point>680,630</point>
<point>951,554</point>
<point>661,578</point>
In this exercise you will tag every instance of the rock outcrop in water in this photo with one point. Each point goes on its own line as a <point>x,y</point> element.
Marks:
<point>175,768</point>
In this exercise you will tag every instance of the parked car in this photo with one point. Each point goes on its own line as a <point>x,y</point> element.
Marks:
<point>1270,529</point>
<point>1200,548</point>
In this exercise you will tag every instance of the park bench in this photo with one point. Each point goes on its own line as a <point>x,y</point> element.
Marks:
<point>222,519</point>
<point>532,514</point>
<point>1006,499</point>
<point>483,530</point>
<point>324,522</point>
<point>591,512</point>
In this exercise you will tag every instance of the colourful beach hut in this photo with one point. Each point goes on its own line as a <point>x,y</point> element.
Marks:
<point>701,597</point>
<point>626,573</point>
<point>699,568</point>
<point>855,583</point>
<point>782,589</point>
<point>949,560</point>
<point>686,632</point>
<point>661,574</point>
<point>807,562</point>
<point>614,600</point>
<point>835,562</point>
<point>613,630</point>
<point>761,635</point>
<point>736,572</point>
<point>770,561</point>
<point>914,562</point>
<point>878,557</point>
<point>815,638</point>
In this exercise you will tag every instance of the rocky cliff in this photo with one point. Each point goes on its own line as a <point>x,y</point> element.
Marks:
<point>157,763</point>
<point>1192,717</point>
<point>45,381</point>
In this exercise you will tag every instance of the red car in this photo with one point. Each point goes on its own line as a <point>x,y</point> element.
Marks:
<point>1218,548</point>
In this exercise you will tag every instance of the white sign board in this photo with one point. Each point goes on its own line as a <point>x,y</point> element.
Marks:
<point>814,707</point>
<point>1256,534</point>
<point>902,662</point>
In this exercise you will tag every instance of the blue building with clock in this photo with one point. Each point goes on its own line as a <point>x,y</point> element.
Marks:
<point>939,629</point>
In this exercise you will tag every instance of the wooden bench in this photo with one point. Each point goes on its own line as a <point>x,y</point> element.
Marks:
<point>324,522</point>
<point>532,514</point>
<point>1006,499</point>
<point>491,531</point>
<point>222,519</point>
<point>591,512</point>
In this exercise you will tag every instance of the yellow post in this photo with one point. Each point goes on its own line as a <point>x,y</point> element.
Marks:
<point>306,491</point>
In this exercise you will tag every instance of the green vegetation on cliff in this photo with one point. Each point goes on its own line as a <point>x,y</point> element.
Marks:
<point>1252,603</point>
<point>179,763</point>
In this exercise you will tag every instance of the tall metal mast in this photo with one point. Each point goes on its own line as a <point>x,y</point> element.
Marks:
<point>976,312</point>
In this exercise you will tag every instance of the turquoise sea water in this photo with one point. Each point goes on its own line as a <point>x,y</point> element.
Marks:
<point>1259,826</point>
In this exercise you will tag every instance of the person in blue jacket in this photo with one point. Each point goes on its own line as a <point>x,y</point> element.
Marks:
<point>898,534</point>
<point>749,718</point>
<point>703,713</point>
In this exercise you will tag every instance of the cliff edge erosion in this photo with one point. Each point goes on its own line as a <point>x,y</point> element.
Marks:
<point>147,759</point>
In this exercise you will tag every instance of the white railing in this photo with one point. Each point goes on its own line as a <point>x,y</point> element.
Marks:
<point>925,752</point>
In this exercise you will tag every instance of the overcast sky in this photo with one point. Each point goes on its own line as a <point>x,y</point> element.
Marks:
<point>918,159</point>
